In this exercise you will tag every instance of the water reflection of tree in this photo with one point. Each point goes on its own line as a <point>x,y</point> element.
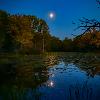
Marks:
<point>51,59</point>
<point>21,79</point>
<point>92,70</point>
<point>87,62</point>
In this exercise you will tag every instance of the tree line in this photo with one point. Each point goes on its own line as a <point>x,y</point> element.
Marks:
<point>30,34</point>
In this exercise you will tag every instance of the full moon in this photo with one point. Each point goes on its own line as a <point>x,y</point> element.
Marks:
<point>51,15</point>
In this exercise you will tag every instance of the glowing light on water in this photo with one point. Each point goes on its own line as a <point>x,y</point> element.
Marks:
<point>50,84</point>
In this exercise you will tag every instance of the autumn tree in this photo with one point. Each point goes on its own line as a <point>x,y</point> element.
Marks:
<point>21,31</point>
<point>5,38</point>
<point>41,34</point>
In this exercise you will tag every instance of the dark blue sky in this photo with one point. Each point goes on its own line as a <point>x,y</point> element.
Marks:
<point>66,11</point>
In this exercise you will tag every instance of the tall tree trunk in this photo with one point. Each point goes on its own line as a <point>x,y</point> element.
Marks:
<point>43,45</point>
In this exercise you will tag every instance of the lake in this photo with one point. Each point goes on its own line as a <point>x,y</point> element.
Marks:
<point>52,76</point>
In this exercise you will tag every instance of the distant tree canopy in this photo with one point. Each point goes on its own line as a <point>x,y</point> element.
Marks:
<point>29,34</point>
<point>90,41</point>
<point>25,32</point>
<point>55,44</point>
<point>5,38</point>
<point>67,44</point>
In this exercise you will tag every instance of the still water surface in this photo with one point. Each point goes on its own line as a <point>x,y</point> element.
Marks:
<point>53,76</point>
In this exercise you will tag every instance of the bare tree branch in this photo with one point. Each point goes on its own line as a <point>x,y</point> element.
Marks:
<point>98,1</point>
<point>87,25</point>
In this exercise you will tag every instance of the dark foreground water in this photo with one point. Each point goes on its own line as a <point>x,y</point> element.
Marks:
<point>53,76</point>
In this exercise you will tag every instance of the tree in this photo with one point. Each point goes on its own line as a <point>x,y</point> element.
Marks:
<point>44,31</point>
<point>67,44</point>
<point>88,41</point>
<point>89,24</point>
<point>5,38</point>
<point>21,31</point>
<point>55,44</point>
<point>98,1</point>
<point>42,35</point>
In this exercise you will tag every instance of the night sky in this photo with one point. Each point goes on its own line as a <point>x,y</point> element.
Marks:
<point>65,12</point>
